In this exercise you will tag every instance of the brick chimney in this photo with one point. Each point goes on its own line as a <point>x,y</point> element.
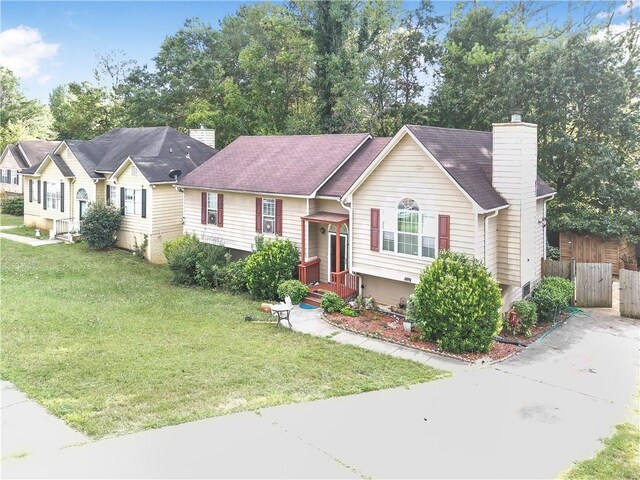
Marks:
<point>515,158</point>
<point>204,135</point>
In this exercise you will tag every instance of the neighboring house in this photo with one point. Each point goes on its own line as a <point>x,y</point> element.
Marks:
<point>126,167</point>
<point>21,155</point>
<point>369,214</point>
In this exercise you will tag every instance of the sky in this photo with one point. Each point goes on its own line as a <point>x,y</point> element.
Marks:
<point>50,43</point>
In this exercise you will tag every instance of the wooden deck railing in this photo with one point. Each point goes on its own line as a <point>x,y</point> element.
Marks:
<point>344,283</point>
<point>309,272</point>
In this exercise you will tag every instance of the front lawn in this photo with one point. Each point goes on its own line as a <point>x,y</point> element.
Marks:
<point>27,232</point>
<point>618,460</point>
<point>105,342</point>
<point>10,220</point>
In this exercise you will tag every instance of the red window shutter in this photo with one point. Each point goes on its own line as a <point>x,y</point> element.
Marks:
<point>258,214</point>
<point>375,229</point>
<point>203,208</point>
<point>444,223</point>
<point>279,218</point>
<point>220,209</point>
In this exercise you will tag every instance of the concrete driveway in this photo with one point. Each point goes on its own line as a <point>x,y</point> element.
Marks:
<point>529,417</point>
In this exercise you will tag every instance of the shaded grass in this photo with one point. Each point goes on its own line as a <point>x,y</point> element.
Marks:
<point>106,343</point>
<point>619,459</point>
<point>10,220</point>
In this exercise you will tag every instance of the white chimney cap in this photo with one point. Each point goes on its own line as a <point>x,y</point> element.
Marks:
<point>516,116</point>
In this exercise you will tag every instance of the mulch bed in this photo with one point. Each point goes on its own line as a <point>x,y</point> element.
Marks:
<point>380,325</point>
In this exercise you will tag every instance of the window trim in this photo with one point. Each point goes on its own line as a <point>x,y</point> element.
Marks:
<point>113,195</point>
<point>266,217</point>
<point>217,209</point>
<point>421,214</point>
<point>53,195</point>
<point>137,202</point>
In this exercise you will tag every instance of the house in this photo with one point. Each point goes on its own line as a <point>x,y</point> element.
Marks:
<point>131,168</point>
<point>17,156</point>
<point>369,214</point>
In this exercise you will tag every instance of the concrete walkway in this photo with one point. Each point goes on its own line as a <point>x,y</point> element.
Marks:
<point>34,242</point>
<point>310,321</point>
<point>528,417</point>
<point>27,427</point>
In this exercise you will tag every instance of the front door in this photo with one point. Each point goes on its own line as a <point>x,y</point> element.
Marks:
<point>332,252</point>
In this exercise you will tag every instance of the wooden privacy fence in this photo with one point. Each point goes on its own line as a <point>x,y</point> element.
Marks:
<point>593,281</point>
<point>629,293</point>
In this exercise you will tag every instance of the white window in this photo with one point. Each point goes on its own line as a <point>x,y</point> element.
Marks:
<point>212,208</point>
<point>34,191</point>
<point>113,194</point>
<point>268,215</point>
<point>16,177</point>
<point>4,175</point>
<point>409,232</point>
<point>53,195</point>
<point>132,201</point>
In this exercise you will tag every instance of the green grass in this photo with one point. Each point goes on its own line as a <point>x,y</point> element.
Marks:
<point>10,220</point>
<point>619,459</point>
<point>27,232</point>
<point>105,342</point>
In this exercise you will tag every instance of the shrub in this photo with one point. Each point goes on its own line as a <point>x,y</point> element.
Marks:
<point>273,263</point>
<point>553,253</point>
<point>526,318</point>
<point>457,304</point>
<point>195,263</point>
<point>100,225</point>
<point>294,289</point>
<point>551,296</point>
<point>234,279</point>
<point>349,312</point>
<point>13,205</point>
<point>331,302</point>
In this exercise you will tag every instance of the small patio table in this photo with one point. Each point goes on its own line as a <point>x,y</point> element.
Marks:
<point>282,311</point>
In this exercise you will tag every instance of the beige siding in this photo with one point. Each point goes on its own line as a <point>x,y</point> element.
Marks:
<point>319,242</point>
<point>385,291</point>
<point>514,176</point>
<point>239,230</point>
<point>8,161</point>
<point>509,295</point>
<point>35,215</point>
<point>82,180</point>
<point>539,238</point>
<point>134,227</point>
<point>323,205</point>
<point>408,172</point>
<point>491,245</point>
<point>166,214</point>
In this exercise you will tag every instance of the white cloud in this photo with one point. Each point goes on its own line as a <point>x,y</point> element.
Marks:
<point>22,49</point>
<point>612,30</point>
<point>627,6</point>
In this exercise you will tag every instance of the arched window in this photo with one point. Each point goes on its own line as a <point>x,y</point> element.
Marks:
<point>410,231</point>
<point>343,229</point>
<point>82,194</point>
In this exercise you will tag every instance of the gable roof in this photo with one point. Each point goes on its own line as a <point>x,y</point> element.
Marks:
<point>342,180</point>
<point>286,165</point>
<point>165,146</point>
<point>31,152</point>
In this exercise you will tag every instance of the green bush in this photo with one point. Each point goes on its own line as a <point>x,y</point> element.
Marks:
<point>526,318</point>
<point>349,312</point>
<point>294,289</point>
<point>100,225</point>
<point>13,206</point>
<point>551,296</point>
<point>273,263</point>
<point>195,263</point>
<point>553,253</point>
<point>457,304</point>
<point>331,302</point>
<point>234,279</point>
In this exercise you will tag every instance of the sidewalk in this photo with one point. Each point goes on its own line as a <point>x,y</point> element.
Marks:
<point>310,321</point>
<point>34,242</point>
<point>28,428</point>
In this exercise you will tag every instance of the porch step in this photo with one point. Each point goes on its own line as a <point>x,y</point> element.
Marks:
<point>314,297</point>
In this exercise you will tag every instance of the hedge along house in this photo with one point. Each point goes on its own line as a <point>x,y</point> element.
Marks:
<point>126,167</point>
<point>369,214</point>
<point>15,157</point>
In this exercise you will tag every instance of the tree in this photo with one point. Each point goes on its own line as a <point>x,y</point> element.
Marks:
<point>82,111</point>
<point>20,118</point>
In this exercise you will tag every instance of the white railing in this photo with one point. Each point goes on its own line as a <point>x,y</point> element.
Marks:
<point>66,226</point>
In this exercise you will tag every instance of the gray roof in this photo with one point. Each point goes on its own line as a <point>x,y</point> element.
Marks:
<point>34,151</point>
<point>467,156</point>
<point>278,164</point>
<point>163,145</point>
<point>156,169</point>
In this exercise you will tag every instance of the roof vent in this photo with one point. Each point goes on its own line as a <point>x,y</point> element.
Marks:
<point>188,151</point>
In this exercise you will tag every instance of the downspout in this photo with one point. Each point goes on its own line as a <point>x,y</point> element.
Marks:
<point>493,215</point>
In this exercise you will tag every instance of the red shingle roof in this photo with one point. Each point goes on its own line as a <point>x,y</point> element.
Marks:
<point>288,164</point>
